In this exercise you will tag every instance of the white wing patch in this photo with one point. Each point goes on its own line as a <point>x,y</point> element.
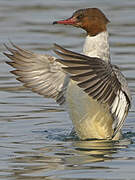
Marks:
<point>115,104</point>
<point>119,110</point>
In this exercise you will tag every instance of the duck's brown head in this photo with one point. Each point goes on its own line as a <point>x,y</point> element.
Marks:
<point>92,20</point>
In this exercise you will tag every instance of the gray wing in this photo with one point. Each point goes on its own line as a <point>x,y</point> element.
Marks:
<point>123,81</point>
<point>100,80</point>
<point>40,73</point>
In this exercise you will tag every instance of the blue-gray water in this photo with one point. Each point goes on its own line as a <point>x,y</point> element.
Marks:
<point>34,131</point>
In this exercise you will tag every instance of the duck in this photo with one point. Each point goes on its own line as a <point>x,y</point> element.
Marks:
<point>93,90</point>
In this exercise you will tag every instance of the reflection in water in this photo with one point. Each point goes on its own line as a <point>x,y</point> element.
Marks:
<point>44,161</point>
<point>98,150</point>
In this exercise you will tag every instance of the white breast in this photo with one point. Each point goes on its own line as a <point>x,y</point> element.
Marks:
<point>97,46</point>
<point>90,119</point>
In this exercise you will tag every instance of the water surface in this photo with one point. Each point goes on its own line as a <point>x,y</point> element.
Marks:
<point>34,131</point>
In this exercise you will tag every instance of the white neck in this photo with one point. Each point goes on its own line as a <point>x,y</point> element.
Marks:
<point>97,46</point>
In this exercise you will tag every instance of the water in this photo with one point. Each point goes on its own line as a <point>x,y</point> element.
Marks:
<point>34,131</point>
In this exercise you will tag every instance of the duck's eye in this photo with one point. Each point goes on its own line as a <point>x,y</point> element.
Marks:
<point>79,16</point>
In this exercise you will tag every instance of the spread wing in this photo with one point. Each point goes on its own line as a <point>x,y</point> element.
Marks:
<point>100,80</point>
<point>40,73</point>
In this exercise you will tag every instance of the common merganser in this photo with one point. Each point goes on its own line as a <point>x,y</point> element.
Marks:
<point>95,91</point>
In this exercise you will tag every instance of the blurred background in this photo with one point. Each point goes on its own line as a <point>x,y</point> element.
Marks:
<point>34,131</point>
